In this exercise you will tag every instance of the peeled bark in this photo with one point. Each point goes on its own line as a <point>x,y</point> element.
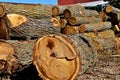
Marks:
<point>71,30</point>
<point>31,10</point>
<point>83,20</point>
<point>111,9</point>
<point>15,55</point>
<point>2,11</point>
<point>94,27</point>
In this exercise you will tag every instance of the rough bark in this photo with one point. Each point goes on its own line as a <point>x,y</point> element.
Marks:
<point>93,27</point>
<point>15,55</point>
<point>76,12</point>
<point>83,20</point>
<point>111,9</point>
<point>91,13</point>
<point>31,10</point>
<point>33,29</point>
<point>2,11</point>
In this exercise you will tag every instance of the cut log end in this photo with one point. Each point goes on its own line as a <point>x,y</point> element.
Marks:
<point>63,23</point>
<point>82,28</point>
<point>67,14</point>
<point>16,19</point>
<point>72,20</point>
<point>6,57</point>
<point>55,22</point>
<point>108,9</point>
<point>55,58</point>
<point>55,10</point>
<point>2,11</point>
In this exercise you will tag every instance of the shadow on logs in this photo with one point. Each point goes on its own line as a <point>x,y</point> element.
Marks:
<point>29,73</point>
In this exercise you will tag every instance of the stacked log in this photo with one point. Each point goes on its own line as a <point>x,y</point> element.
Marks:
<point>112,14</point>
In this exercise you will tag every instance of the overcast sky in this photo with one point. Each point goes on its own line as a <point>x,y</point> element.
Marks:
<point>32,1</point>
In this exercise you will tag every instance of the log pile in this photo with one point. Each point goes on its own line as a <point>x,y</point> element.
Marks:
<point>63,50</point>
<point>112,14</point>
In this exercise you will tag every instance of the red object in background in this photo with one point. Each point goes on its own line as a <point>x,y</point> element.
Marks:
<point>66,2</point>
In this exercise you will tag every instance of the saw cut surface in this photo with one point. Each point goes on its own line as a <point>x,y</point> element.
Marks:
<point>55,58</point>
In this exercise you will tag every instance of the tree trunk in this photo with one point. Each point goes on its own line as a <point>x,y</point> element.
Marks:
<point>58,50</point>
<point>15,55</point>
<point>33,29</point>
<point>111,9</point>
<point>31,10</point>
<point>93,27</point>
<point>83,20</point>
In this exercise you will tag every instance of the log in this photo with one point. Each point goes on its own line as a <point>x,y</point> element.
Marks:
<point>56,21</point>
<point>33,29</point>
<point>55,56</point>
<point>29,10</point>
<point>15,55</point>
<point>75,10</point>
<point>93,27</point>
<point>83,20</point>
<point>2,11</point>
<point>63,23</point>
<point>91,13</point>
<point>102,41</point>
<point>71,30</point>
<point>58,10</point>
<point>111,9</point>
<point>103,16</point>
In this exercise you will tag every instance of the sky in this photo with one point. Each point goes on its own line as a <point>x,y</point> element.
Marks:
<point>32,1</point>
